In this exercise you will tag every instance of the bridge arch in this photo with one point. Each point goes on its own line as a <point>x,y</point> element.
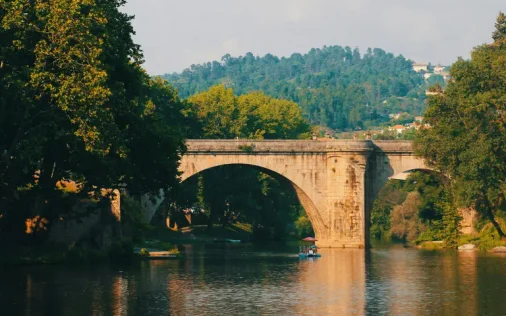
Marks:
<point>191,166</point>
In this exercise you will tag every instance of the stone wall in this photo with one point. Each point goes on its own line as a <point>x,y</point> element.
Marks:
<point>90,215</point>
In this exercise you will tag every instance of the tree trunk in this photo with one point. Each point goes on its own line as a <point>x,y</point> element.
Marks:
<point>491,217</point>
<point>46,184</point>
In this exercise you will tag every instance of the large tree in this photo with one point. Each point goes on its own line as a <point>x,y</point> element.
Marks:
<point>466,139</point>
<point>75,104</point>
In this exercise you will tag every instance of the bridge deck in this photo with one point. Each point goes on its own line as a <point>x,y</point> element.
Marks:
<point>296,146</point>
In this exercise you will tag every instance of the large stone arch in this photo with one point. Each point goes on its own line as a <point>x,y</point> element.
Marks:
<point>303,182</point>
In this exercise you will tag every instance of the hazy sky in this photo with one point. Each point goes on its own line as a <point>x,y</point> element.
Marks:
<point>175,34</point>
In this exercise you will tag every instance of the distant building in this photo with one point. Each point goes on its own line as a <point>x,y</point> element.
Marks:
<point>445,74</point>
<point>418,118</point>
<point>438,69</point>
<point>418,67</point>
<point>427,75</point>
<point>398,128</point>
<point>428,92</point>
<point>395,116</point>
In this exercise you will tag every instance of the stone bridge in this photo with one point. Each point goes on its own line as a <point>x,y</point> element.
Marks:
<point>336,181</point>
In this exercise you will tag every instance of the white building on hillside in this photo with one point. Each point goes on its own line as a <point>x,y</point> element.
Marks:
<point>418,67</point>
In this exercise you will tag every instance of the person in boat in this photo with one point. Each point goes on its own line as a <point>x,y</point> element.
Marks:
<point>315,248</point>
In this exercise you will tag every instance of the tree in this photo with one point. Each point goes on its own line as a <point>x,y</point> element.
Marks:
<point>75,104</point>
<point>405,223</point>
<point>500,27</point>
<point>466,139</point>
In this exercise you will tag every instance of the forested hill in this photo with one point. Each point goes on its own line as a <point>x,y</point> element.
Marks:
<point>335,86</point>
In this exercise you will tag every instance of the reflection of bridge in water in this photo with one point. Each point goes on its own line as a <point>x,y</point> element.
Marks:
<point>336,181</point>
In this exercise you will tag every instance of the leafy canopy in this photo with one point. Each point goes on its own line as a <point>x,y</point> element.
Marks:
<point>336,87</point>
<point>467,137</point>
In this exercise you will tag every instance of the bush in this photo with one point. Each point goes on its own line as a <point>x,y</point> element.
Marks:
<point>144,252</point>
<point>174,251</point>
<point>406,225</point>
<point>489,238</point>
<point>303,226</point>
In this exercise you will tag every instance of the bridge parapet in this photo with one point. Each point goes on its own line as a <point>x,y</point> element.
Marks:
<point>394,146</point>
<point>278,146</point>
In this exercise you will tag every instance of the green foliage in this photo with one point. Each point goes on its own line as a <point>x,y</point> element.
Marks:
<point>436,80</point>
<point>404,220</point>
<point>489,237</point>
<point>380,219</point>
<point>132,219</point>
<point>144,252</point>
<point>303,226</point>
<point>335,86</point>
<point>390,195</point>
<point>500,28</point>
<point>467,135</point>
<point>222,114</point>
<point>76,105</point>
<point>450,233</point>
<point>416,210</point>
<point>246,148</point>
<point>174,251</point>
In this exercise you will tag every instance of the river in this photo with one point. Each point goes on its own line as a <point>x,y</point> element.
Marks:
<point>228,279</point>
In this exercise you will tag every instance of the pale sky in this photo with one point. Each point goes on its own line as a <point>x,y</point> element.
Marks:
<point>176,34</point>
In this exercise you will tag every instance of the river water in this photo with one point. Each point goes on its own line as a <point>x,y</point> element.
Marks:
<point>231,279</point>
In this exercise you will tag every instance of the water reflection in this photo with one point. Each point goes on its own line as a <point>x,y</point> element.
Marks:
<point>238,279</point>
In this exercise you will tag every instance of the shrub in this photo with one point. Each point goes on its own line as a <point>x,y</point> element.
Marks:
<point>406,225</point>
<point>303,226</point>
<point>489,238</point>
<point>174,251</point>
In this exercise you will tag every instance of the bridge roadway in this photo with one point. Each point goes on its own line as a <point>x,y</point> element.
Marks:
<point>336,181</point>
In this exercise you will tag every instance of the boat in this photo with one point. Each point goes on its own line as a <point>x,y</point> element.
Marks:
<point>309,255</point>
<point>227,240</point>
<point>311,251</point>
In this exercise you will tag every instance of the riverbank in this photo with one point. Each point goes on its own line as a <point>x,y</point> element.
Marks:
<point>199,234</point>
<point>72,254</point>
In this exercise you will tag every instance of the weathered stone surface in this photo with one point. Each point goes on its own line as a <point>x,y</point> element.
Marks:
<point>500,249</point>
<point>467,247</point>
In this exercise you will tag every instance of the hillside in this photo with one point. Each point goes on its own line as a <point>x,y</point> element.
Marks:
<point>335,86</point>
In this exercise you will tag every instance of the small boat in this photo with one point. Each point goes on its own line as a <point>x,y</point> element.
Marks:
<point>227,240</point>
<point>161,255</point>
<point>311,251</point>
<point>233,240</point>
<point>309,255</point>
